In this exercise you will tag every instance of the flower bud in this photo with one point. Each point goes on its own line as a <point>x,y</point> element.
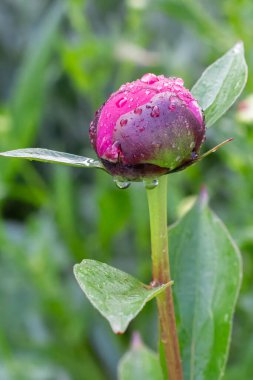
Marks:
<point>148,128</point>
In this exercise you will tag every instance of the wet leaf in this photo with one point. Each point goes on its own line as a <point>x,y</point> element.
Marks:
<point>221,84</point>
<point>206,268</point>
<point>51,156</point>
<point>118,296</point>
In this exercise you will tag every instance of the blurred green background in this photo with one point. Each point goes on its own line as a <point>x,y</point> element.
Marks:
<point>59,60</point>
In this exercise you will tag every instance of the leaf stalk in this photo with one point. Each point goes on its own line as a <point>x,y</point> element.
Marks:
<point>157,201</point>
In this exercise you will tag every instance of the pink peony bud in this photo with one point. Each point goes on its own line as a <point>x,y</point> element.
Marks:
<point>147,128</point>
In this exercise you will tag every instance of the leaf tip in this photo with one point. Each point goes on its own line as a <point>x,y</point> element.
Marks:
<point>238,47</point>
<point>203,196</point>
<point>118,332</point>
<point>118,328</point>
<point>136,341</point>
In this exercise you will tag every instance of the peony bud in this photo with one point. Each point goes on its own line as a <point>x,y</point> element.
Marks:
<point>148,128</point>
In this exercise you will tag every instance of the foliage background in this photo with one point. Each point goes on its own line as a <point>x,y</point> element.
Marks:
<point>59,62</point>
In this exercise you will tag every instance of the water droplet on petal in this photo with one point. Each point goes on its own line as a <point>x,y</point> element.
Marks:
<point>123,122</point>
<point>121,102</point>
<point>155,111</point>
<point>122,184</point>
<point>173,100</point>
<point>147,92</point>
<point>151,183</point>
<point>172,107</point>
<point>149,78</point>
<point>179,81</point>
<point>138,111</point>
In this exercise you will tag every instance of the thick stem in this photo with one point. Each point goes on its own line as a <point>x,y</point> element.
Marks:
<point>157,201</point>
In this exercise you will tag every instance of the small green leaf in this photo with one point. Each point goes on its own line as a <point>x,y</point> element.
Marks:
<point>51,156</point>
<point>200,157</point>
<point>118,296</point>
<point>221,84</point>
<point>213,150</point>
<point>206,268</point>
<point>140,363</point>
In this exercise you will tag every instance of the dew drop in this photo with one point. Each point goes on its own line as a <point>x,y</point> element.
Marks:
<point>122,184</point>
<point>179,81</point>
<point>194,155</point>
<point>172,107</point>
<point>121,102</point>
<point>155,111</point>
<point>138,111</point>
<point>147,92</point>
<point>123,122</point>
<point>149,78</point>
<point>151,183</point>
<point>177,88</point>
<point>173,100</point>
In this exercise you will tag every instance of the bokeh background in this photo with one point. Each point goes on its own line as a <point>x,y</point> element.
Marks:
<point>59,60</point>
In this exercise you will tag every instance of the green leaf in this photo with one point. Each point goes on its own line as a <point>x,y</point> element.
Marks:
<point>51,156</point>
<point>118,296</point>
<point>33,75</point>
<point>193,14</point>
<point>206,268</point>
<point>221,84</point>
<point>33,78</point>
<point>140,363</point>
<point>199,158</point>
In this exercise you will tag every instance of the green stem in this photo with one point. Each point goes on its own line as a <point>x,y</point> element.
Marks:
<point>157,201</point>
